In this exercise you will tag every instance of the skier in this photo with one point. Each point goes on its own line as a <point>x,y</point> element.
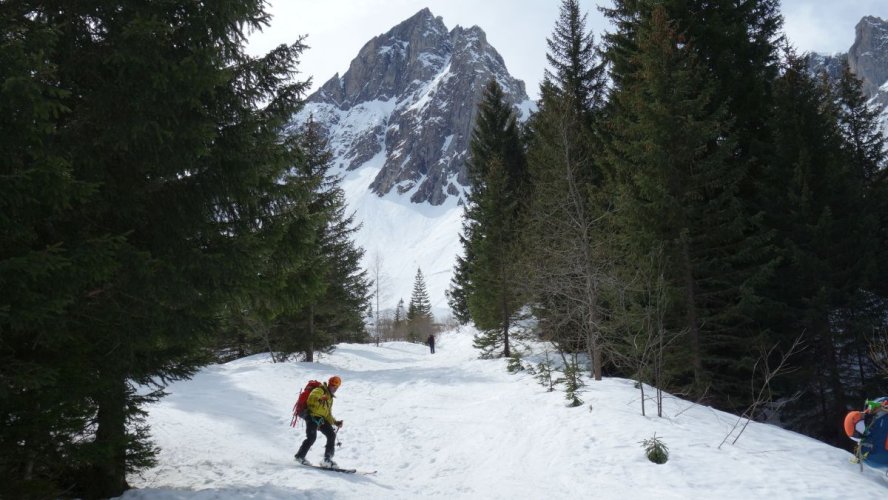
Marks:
<point>870,429</point>
<point>431,342</point>
<point>319,415</point>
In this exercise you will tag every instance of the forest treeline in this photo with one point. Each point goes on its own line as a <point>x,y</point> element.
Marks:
<point>686,203</point>
<point>157,212</point>
<point>690,207</point>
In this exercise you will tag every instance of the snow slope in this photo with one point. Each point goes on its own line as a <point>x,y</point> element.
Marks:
<point>450,425</point>
<point>402,236</point>
<point>405,236</point>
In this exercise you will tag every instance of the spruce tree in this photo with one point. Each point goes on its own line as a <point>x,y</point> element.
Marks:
<point>866,150</point>
<point>864,140</point>
<point>488,277</point>
<point>342,308</point>
<point>679,191</point>
<point>399,319</point>
<point>566,235</point>
<point>168,208</point>
<point>828,239</point>
<point>332,289</point>
<point>419,311</point>
<point>276,314</point>
<point>737,46</point>
<point>733,57</point>
<point>572,56</point>
<point>43,408</point>
<point>459,290</point>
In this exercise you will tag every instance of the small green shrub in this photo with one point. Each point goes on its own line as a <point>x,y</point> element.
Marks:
<point>515,365</point>
<point>544,373</point>
<point>656,451</point>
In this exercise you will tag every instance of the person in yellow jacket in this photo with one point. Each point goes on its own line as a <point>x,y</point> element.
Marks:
<point>319,415</point>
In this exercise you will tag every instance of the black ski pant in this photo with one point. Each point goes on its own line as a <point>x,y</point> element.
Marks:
<point>311,433</point>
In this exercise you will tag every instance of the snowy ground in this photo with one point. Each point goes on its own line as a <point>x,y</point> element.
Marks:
<point>452,426</point>
<point>404,236</point>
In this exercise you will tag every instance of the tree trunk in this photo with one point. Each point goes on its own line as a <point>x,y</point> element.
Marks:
<point>506,352</point>
<point>309,350</point>
<point>593,337</point>
<point>596,359</point>
<point>641,386</point>
<point>658,365</point>
<point>859,342</point>
<point>691,307</point>
<point>108,474</point>
<point>376,325</point>
<point>835,380</point>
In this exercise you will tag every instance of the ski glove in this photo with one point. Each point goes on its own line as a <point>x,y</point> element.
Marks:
<point>338,423</point>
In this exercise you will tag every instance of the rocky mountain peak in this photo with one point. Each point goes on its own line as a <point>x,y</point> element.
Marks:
<point>407,104</point>
<point>868,57</point>
<point>383,66</point>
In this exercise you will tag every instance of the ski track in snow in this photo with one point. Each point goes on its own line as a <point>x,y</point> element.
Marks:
<point>450,425</point>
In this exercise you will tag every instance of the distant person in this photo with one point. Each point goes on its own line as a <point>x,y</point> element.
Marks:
<point>319,415</point>
<point>431,342</point>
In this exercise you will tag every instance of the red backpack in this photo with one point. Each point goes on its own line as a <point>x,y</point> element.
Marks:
<point>302,401</point>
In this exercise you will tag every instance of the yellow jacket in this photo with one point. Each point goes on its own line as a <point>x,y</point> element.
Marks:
<point>320,404</point>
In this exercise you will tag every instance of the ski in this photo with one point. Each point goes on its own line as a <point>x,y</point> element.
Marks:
<point>335,469</point>
<point>340,469</point>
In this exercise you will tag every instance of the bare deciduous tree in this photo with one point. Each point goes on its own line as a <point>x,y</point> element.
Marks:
<point>380,285</point>
<point>878,350</point>
<point>762,394</point>
<point>637,328</point>
<point>570,261</point>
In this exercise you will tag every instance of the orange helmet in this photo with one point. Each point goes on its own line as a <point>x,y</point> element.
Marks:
<point>334,382</point>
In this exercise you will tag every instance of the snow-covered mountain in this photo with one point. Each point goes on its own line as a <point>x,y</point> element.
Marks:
<point>452,426</point>
<point>410,95</point>
<point>399,123</point>
<point>867,58</point>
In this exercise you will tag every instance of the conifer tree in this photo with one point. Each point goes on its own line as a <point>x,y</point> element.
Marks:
<point>163,195</point>
<point>277,314</point>
<point>737,46</point>
<point>348,297</point>
<point>572,56</point>
<point>399,319</point>
<point>419,311</point>
<point>333,288</point>
<point>866,148</point>
<point>488,277</point>
<point>342,309</point>
<point>566,236</point>
<point>459,290</point>
<point>863,136</point>
<point>678,191</point>
<point>42,273</point>
<point>828,240</point>
<point>732,60</point>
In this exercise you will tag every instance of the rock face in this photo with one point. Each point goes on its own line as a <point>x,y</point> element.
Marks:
<point>407,104</point>
<point>867,58</point>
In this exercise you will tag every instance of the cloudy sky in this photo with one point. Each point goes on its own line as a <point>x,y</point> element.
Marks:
<point>337,29</point>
